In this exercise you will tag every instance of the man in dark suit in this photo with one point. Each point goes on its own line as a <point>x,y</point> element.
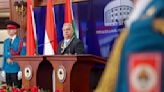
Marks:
<point>70,44</point>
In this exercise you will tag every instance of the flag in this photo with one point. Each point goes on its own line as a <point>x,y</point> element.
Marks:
<point>69,17</point>
<point>31,32</point>
<point>50,40</point>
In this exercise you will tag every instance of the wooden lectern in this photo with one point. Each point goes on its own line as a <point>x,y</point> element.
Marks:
<point>77,70</point>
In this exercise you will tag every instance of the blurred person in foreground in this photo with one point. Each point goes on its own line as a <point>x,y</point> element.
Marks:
<point>146,34</point>
<point>13,45</point>
<point>70,44</point>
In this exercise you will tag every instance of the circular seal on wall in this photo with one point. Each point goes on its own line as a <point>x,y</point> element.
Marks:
<point>143,78</point>
<point>28,72</point>
<point>61,73</point>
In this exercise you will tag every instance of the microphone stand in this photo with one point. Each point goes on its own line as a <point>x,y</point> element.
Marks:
<point>36,51</point>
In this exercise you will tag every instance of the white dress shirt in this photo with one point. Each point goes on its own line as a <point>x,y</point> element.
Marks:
<point>12,38</point>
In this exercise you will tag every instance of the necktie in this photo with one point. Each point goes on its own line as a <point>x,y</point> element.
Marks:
<point>66,42</point>
<point>10,42</point>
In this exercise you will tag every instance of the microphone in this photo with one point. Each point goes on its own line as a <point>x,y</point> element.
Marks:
<point>40,45</point>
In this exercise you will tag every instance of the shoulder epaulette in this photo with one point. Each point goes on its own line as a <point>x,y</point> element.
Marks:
<point>158,25</point>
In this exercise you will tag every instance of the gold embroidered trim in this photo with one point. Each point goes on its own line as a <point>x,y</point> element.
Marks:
<point>109,77</point>
<point>158,25</point>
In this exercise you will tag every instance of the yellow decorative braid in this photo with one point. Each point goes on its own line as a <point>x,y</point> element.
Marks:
<point>158,25</point>
<point>109,77</point>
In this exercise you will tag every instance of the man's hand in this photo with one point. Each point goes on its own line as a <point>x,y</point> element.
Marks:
<point>9,60</point>
<point>3,74</point>
<point>19,75</point>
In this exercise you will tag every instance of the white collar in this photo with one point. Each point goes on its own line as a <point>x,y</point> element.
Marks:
<point>13,38</point>
<point>67,40</point>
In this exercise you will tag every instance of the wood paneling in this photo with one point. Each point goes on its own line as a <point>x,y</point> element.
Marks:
<point>4,8</point>
<point>4,5</point>
<point>21,19</point>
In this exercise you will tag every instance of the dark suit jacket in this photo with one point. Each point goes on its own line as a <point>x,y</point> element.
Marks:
<point>75,47</point>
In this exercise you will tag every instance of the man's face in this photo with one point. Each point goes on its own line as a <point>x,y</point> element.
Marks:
<point>67,31</point>
<point>11,32</point>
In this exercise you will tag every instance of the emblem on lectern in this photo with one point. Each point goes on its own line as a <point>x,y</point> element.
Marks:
<point>28,72</point>
<point>61,73</point>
